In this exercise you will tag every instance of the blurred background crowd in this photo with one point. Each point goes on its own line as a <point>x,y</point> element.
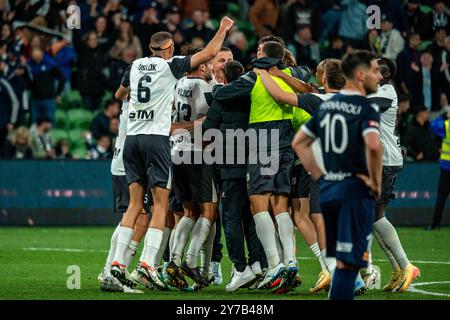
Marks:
<point>56,85</point>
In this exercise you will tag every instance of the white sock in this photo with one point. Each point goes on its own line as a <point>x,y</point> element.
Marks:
<point>199,235</point>
<point>131,252</point>
<point>330,262</point>
<point>112,251</point>
<point>171,242</point>
<point>152,244</point>
<point>123,240</point>
<point>279,248</point>
<point>143,253</point>
<point>182,233</point>
<point>207,250</point>
<point>389,236</point>
<point>388,253</point>
<point>266,234</point>
<point>286,233</point>
<point>316,250</point>
<point>162,248</point>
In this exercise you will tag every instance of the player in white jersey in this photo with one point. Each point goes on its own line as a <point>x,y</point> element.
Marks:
<point>150,83</point>
<point>121,200</point>
<point>194,180</point>
<point>403,271</point>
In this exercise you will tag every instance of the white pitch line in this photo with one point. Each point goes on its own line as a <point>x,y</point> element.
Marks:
<point>384,260</point>
<point>63,250</point>
<point>412,288</point>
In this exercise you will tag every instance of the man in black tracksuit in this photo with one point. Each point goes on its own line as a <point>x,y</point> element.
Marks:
<point>236,216</point>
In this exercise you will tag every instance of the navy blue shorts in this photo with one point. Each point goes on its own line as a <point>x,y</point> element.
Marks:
<point>348,225</point>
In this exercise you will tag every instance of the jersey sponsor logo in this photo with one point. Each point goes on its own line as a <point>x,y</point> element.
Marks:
<point>147,67</point>
<point>141,115</point>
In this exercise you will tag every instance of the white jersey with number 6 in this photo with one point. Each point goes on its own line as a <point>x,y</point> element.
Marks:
<point>151,82</point>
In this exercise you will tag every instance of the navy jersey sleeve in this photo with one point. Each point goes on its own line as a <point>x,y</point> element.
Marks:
<point>126,77</point>
<point>370,121</point>
<point>308,102</point>
<point>239,88</point>
<point>310,128</point>
<point>179,66</point>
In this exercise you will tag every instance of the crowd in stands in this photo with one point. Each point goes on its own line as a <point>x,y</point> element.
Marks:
<point>56,84</point>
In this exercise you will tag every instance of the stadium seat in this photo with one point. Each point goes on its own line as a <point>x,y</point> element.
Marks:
<point>107,96</point>
<point>58,134</point>
<point>76,138</point>
<point>70,100</point>
<point>424,45</point>
<point>79,153</point>
<point>80,118</point>
<point>426,9</point>
<point>62,120</point>
<point>233,9</point>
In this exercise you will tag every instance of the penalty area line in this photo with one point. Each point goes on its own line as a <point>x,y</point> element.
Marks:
<point>412,288</point>
<point>63,250</point>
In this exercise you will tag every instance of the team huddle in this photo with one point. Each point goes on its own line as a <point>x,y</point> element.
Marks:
<point>197,131</point>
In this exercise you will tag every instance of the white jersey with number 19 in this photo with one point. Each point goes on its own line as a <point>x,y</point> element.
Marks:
<point>151,82</point>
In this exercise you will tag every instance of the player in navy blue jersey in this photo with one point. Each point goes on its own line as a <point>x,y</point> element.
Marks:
<point>348,168</point>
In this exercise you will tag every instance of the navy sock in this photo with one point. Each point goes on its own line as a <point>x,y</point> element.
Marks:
<point>343,284</point>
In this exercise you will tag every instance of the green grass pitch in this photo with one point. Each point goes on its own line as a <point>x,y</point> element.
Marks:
<point>35,260</point>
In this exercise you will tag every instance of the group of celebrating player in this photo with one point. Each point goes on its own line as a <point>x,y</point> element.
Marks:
<point>307,140</point>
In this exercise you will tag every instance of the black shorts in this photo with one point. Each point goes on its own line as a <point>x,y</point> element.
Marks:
<point>390,174</point>
<point>175,204</point>
<point>300,182</point>
<point>196,182</point>
<point>147,161</point>
<point>273,177</point>
<point>121,195</point>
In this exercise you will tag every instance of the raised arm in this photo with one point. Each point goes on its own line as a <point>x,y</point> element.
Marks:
<point>278,94</point>
<point>296,84</point>
<point>213,47</point>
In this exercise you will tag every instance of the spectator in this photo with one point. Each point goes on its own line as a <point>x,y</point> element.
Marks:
<point>172,24</point>
<point>19,77</point>
<point>101,123</point>
<point>62,150</point>
<point>65,57</point>
<point>126,39</point>
<point>438,17</point>
<point>238,46</point>
<point>440,127</point>
<point>418,22</point>
<point>19,145</point>
<point>372,42</point>
<point>9,107</point>
<point>304,49</point>
<point>7,34</point>
<point>188,7</point>
<point>445,58</point>
<point>91,62</point>
<point>425,84</point>
<point>41,143</point>
<point>199,29</point>
<point>393,9</point>
<point>405,60</point>
<point>330,19</point>
<point>56,17</point>
<point>419,142</point>
<point>302,13</point>
<point>105,38</point>
<point>336,49</point>
<point>353,23</point>
<point>117,68</point>
<point>43,94</point>
<point>113,131</point>
<point>403,115</point>
<point>112,8</point>
<point>264,13</point>
<point>148,25</point>
<point>101,150</point>
<point>391,40</point>
<point>437,47</point>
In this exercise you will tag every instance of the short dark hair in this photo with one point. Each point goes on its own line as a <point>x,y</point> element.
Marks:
<point>110,102</point>
<point>232,70</point>
<point>355,59</point>
<point>158,39</point>
<point>391,66</point>
<point>43,119</point>
<point>271,38</point>
<point>273,49</point>
<point>333,73</point>
<point>225,49</point>
<point>189,50</point>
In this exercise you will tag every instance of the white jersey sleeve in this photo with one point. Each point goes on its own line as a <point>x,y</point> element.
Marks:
<point>151,82</point>
<point>117,167</point>
<point>386,99</point>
